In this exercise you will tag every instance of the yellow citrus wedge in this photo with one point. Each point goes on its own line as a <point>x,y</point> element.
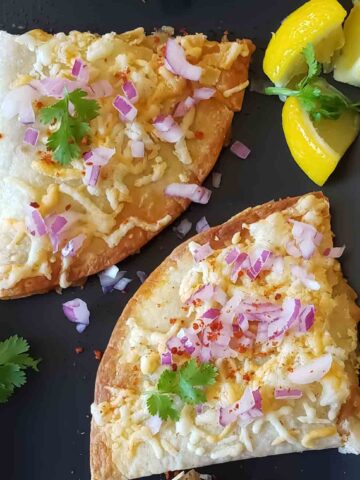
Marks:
<point>317,147</point>
<point>317,22</point>
<point>347,66</point>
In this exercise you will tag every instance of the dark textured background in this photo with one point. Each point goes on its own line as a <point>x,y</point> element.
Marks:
<point>44,428</point>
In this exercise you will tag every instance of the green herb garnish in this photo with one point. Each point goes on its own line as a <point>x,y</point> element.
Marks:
<point>185,383</point>
<point>65,141</point>
<point>13,361</point>
<point>318,98</point>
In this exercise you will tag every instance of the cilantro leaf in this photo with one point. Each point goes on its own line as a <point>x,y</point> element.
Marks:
<point>65,141</point>
<point>318,98</point>
<point>13,360</point>
<point>162,405</point>
<point>186,383</point>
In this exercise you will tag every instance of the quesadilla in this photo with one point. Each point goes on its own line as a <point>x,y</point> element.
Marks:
<point>242,343</point>
<point>93,130</point>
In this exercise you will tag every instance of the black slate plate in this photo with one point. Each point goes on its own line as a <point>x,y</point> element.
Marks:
<point>44,430</point>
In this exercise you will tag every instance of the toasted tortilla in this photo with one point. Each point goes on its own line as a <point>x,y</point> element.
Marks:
<point>122,445</point>
<point>126,209</point>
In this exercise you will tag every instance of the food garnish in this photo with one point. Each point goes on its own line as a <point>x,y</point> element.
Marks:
<point>240,150</point>
<point>186,383</point>
<point>73,114</point>
<point>113,279</point>
<point>183,228</point>
<point>77,312</point>
<point>14,359</point>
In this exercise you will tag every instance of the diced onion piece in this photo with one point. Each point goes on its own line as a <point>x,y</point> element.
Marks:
<point>249,400</point>
<point>176,59</point>
<point>306,237</point>
<point>312,371</point>
<point>240,150</point>
<point>141,276</point>
<point>99,156</point>
<point>216,179</point>
<point>73,245</point>
<point>110,277</point>
<point>202,225</point>
<point>154,424</point>
<point>203,93</point>
<point>130,91</point>
<point>166,358</point>
<point>240,262</point>
<point>92,173</point>
<point>290,313</point>
<point>307,279</point>
<point>202,252</point>
<point>126,109</point>
<point>80,70</point>
<point>163,123</point>
<point>77,312</point>
<point>35,222</point>
<point>54,224</point>
<point>193,192</point>
<point>183,107</point>
<point>31,136</point>
<point>211,314</point>
<point>173,135</point>
<point>287,393</point>
<point>183,228</point>
<point>137,148</point>
<point>259,264</point>
<point>122,284</point>
<point>18,102</point>
<point>232,256</point>
<point>334,252</point>
<point>306,318</point>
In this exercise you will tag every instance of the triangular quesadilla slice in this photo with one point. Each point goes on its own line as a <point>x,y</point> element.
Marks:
<point>242,343</point>
<point>97,135</point>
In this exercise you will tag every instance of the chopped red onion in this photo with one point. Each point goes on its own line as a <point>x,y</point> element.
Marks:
<point>54,224</point>
<point>306,318</point>
<point>154,424</point>
<point>193,192</point>
<point>31,136</point>
<point>240,150</point>
<point>127,110</point>
<point>101,88</point>
<point>92,173</point>
<point>290,313</point>
<point>249,401</point>
<point>240,262</point>
<point>109,278</point>
<point>55,87</point>
<point>163,123</point>
<point>122,284</point>
<point>287,393</point>
<point>73,245</point>
<point>141,276</point>
<point>166,358</point>
<point>80,70</point>
<point>216,179</point>
<point>312,371</point>
<point>137,148</point>
<point>259,264</point>
<point>203,93</point>
<point>130,91</point>
<point>292,249</point>
<point>202,252</point>
<point>183,228</point>
<point>35,222</point>
<point>168,130</point>
<point>18,102</point>
<point>334,252</point>
<point>211,314</point>
<point>232,256</point>
<point>99,156</point>
<point>77,312</point>
<point>204,293</point>
<point>306,237</point>
<point>202,225</point>
<point>183,107</point>
<point>176,59</point>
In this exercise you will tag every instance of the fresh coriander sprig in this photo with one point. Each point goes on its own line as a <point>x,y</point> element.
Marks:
<point>316,96</point>
<point>186,383</point>
<point>65,141</point>
<point>13,361</point>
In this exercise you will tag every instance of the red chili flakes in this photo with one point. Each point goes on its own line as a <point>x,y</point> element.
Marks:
<point>39,104</point>
<point>85,140</point>
<point>122,75</point>
<point>79,349</point>
<point>34,205</point>
<point>156,39</point>
<point>174,350</point>
<point>183,31</point>
<point>290,369</point>
<point>172,321</point>
<point>46,157</point>
<point>278,296</point>
<point>68,206</point>
<point>246,377</point>
<point>195,326</point>
<point>199,134</point>
<point>174,367</point>
<point>1,136</point>
<point>163,50</point>
<point>98,354</point>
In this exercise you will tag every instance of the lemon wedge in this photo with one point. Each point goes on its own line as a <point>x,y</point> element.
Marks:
<point>347,66</point>
<point>317,147</point>
<point>317,22</point>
